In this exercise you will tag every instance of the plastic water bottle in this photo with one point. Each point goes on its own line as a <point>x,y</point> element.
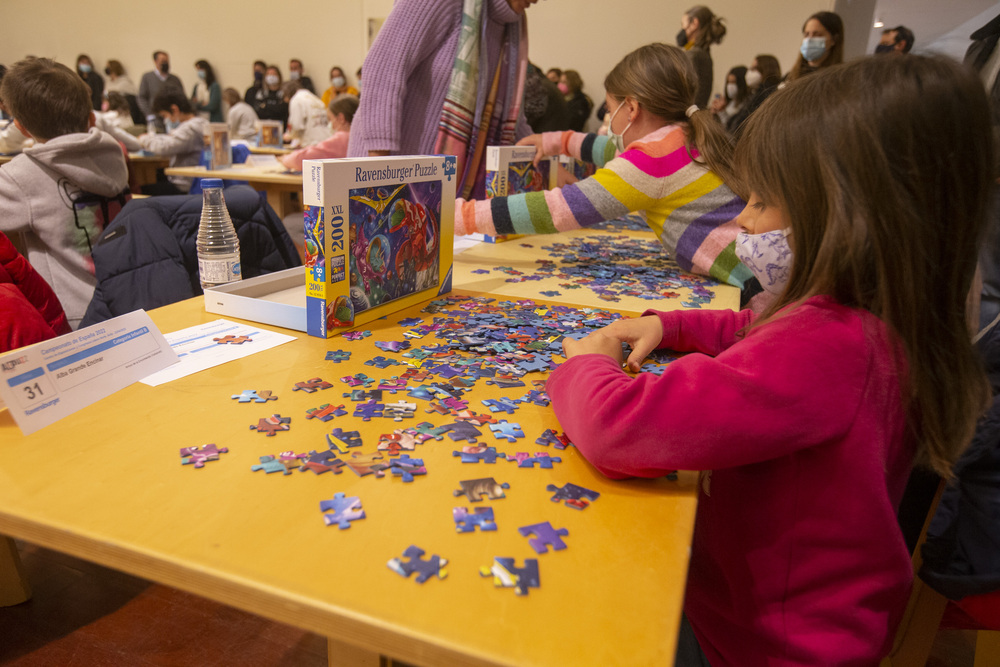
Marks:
<point>218,246</point>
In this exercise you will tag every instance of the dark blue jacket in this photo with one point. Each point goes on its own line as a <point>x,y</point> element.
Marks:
<point>146,258</point>
<point>962,551</point>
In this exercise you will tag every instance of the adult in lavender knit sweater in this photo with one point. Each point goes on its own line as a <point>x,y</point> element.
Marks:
<point>410,67</point>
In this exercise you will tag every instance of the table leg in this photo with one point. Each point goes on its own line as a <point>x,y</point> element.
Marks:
<point>14,588</point>
<point>281,200</point>
<point>340,654</point>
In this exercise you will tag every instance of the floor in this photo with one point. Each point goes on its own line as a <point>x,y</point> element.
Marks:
<point>82,614</point>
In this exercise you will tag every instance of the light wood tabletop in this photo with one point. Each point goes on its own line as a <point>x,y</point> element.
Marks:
<point>283,189</point>
<point>269,150</point>
<point>106,484</point>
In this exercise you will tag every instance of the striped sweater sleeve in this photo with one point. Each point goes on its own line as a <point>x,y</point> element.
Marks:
<point>610,193</point>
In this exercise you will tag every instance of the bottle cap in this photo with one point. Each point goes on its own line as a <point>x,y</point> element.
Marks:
<point>211,183</point>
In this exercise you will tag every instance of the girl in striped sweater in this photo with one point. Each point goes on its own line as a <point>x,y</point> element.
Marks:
<point>674,172</point>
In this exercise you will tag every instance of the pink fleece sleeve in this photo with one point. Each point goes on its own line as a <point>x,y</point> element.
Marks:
<point>783,388</point>
<point>706,331</point>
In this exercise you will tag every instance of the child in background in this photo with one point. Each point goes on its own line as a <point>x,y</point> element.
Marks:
<point>42,191</point>
<point>340,113</point>
<point>242,119</point>
<point>307,120</point>
<point>118,113</point>
<point>183,142</point>
<point>663,157</point>
<point>806,420</point>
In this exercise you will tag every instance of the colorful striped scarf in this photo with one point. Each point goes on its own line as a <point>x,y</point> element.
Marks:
<point>478,110</point>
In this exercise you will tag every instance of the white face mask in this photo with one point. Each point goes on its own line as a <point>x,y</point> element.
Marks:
<point>294,74</point>
<point>617,140</point>
<point>271,79</point>
<point>768,256</point>
<point>754,78</point>
<point>731,90</point>
<point>338,81</point>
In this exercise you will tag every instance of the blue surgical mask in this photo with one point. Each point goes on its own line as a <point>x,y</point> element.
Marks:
<point>768,256</point>
<point>813,48</point>
<point>617,140</point>
<point>171,125</point>
<point>201,74</point>
<point>85,68</point>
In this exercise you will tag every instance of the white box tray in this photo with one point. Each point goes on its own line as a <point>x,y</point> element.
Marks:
<point>276,298</point>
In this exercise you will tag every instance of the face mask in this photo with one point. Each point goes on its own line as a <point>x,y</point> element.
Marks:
<point>813,48</point>
<point>107,71</point>
<point>171,125</point>
<point>563,88</point>
<point>768,256</point>
<point>201,74</point>
<point>618,140</point>
<point>338,82</point>
<point>165,67</point>
<point>731,90</point>
<point>682,38</point>
<point>294,74</point>
<point>258,76</point>
<point>85,68</point>
<point>885,48</point>
<point>271,79</point>
<point>754,78</point>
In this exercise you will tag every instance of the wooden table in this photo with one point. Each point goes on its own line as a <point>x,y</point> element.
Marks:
<point>283,190</point>
<point>269,150</point>
<point>107,486</point>
<point>144,167</point>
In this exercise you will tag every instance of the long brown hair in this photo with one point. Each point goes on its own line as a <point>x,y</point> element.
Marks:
<point>833,25</point>
<point>711,28</point>
<point>886,184</point>
<point>662,80</point>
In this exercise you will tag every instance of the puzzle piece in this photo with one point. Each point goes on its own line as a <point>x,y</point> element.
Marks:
<point>255,395</point>
<point>463,431</point>
<point>473,418</point>
<point>425,569</point>
<point>199,455</point>
<point>311,385</point>
<point>575,496</point>
<point>426,430</point>
<point>545,536</point>
<point>326,412</point>
<point>502,383</point>
<point>271,425</point>
<point>524,460</point>
<point>466,522</point>
<point>486,486</point>
<point>382,362</point>
<point>399,410</point>
<point>356,335</point>
<point>392,385</point>
<point>357,380</point>
<point>477,453</point>
<point>509,431</point>
<point>396,442</point>
<point>367,464</point>
<point>340,440</point>
<point>233,340</point>
<point>392,345</point>
<point>539,398</point>
<point>414,374</point>
<point>409,321</point>
<point>342,510</point>
<point>336,356</point>
<point>321,462</point>
<point>552,437</point>
<point>284,463</point>
<point>500,405</point>
<point>407,467</point>
<point>455,404</point>
<point>507,575</point>
<point>368,409</point>
<point>359,395</point>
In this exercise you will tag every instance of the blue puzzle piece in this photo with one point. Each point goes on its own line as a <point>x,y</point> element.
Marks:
<point>575,496</point>
<point>509,431</point>
<point>477,453</point>
<point>463,431</point>
<point>359,395</point>
<point>506,574</point>
<point>255,395</point>
<point>466,522</point>
<point>368,410</point>
<point>410,321</point>
<point>339,439</point>
<point>425,569</point>
<point>524,460</point>
<point>407,467</point>
<point>500,405</point>
<point>336,356</point>
<point>382,362</point>
<point>342,510</point>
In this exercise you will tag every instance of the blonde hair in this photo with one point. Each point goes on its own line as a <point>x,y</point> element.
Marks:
<point>882,219</point>
<point>662,80</point>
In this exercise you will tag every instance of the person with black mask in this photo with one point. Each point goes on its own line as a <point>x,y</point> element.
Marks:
<point>259,66</point>
<point>151,85</point>
<point>895,40</point>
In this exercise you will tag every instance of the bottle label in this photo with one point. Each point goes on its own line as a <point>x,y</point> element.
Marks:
<point>219,271</point>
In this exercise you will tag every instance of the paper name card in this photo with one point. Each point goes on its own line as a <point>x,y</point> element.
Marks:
<point>379,234</point>
<point>45,382</point>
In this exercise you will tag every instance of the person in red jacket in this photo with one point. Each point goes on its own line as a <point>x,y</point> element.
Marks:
<point>30,312</point>
<point>805,420</point>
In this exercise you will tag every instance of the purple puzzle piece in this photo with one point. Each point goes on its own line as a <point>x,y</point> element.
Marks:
<point>199,455</point>
<point>368,409</point>
<point>416,563</point>
<point>463,431</point>
<point>524,460</point>
<point>545,536</point>
<point>477,453</point>
<point>466,522</point>
<point>344,510</point>
<point>575,496</point>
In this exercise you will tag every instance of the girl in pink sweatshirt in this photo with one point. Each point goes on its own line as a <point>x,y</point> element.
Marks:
<point>340,112</point>
<point>868,187</point>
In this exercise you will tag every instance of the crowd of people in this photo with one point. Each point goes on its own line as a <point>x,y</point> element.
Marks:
<point>839,222</point>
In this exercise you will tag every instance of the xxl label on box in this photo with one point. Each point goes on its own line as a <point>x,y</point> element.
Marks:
<point>378,236</point>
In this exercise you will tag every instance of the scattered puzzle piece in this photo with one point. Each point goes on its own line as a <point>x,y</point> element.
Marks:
<point>311,385</point>
<point>342,510</point>
<point>500,405</point>
<point>396,442</point>
<point>552,437</point>
<point>357,380</point>
<point>486,486</point>
<point>477,453</point>
<point>367,464</point>
<point>392,345</point>
<point>575,496</point>
<point>399,410</point>
<point>271,425</point>
<point>507,575</point>
<point>368,409</point>
<point>336,356</point>
<point>199,455</point>
<point>359,395</point>
<point>524,460</point>
<point>545,536</point>
<point>382,362</point>
<point>326,412</point>
<point>463,431</point>
<point>425,569</point>
<point>255,395</point>
<point>340,440</point>
<point>407,467</point>
<point>509,431</point>
<point>426,430</point>
<point>356,335</point>
<point>466,522</point>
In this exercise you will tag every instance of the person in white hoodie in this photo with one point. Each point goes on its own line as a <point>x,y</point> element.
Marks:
<point>183,142</point>
<point>307,122</point>
<point>43,190</point>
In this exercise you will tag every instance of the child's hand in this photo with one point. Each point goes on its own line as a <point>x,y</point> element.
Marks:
<point>643,335</point>
<point>536,141</point>
<point>596,343</point>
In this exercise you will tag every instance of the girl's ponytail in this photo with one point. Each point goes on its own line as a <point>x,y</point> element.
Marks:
<point>713,143</point>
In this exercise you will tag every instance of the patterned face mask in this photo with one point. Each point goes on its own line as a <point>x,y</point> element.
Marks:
<point>768,256</point>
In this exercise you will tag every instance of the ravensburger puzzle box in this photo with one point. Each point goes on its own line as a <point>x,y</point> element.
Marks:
<point>379,234</point>
<point>510,170</point>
